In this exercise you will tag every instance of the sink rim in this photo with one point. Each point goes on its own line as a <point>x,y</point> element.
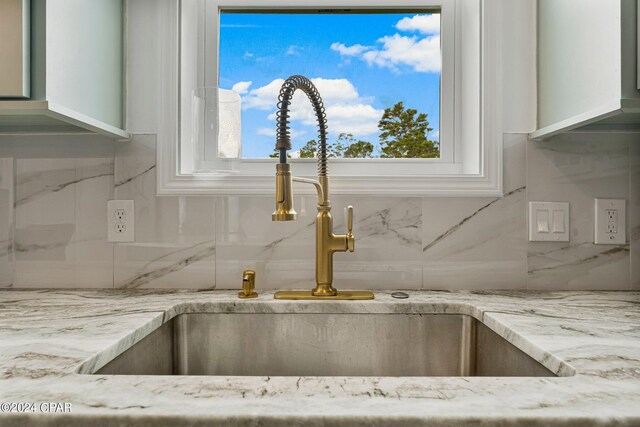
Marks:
<point>550,361</point>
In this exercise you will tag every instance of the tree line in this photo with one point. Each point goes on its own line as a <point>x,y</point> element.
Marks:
<point>404,133</point>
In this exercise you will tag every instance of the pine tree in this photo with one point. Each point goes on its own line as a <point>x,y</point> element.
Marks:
<point>404,135</point>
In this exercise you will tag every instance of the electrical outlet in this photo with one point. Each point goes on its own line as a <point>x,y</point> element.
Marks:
<point>120,221</point>
<point>120,214</point>
<point>610,222</point>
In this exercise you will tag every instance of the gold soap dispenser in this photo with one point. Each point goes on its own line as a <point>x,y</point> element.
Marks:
<point>248,285</point>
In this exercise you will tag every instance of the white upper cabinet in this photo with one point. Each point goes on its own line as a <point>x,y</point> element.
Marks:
<point>75,69</point>
<point>587,66</point>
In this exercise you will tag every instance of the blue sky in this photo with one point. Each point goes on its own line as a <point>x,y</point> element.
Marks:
<point>361,64</point>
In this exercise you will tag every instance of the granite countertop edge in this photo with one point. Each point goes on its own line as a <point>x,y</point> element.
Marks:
<point>50,338</point>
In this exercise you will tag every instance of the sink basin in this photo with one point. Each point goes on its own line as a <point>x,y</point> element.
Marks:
<point>324,345</point>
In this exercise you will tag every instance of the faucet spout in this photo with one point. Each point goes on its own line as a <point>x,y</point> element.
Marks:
<point>283,133</point>
<point>316,184</point>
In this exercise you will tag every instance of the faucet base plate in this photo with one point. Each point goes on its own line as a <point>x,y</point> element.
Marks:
<point>306,295</point>
<point>242,295</point>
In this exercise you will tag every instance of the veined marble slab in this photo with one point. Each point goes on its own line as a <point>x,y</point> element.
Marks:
<point>59,188</point>
<point>577,168</point>
<point>592,338</point>
<point>175,236</point>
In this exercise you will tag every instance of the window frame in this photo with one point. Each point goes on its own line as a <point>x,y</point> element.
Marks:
<point>441,180</point>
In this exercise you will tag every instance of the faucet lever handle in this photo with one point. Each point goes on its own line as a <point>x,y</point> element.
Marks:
<point>350,219</point>
<point>351,240</point>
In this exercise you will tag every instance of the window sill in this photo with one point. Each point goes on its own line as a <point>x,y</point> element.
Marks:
<point>444,186</point>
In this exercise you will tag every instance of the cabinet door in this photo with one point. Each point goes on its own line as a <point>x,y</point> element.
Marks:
<point>14,49</point>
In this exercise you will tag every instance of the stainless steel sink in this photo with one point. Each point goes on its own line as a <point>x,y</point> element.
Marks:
<point>324,345</point>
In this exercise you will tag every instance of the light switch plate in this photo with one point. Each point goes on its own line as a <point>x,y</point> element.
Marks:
<point>548,221</point>
<point>120,221</point>
<point>610,222</point>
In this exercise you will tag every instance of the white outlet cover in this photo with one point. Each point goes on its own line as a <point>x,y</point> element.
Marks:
<point>115,225</point>
<point>548,221</point>
<point>601,220</point>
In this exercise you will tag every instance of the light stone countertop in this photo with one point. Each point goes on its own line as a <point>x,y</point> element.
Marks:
<point>47,337</point>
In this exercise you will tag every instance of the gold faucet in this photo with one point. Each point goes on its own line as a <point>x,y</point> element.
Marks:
<point>327,243</point>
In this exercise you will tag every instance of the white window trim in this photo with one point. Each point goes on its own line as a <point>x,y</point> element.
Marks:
<point>489,127</point>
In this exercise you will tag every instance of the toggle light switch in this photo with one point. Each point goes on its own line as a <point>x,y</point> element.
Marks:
<point>548,221</point>
<point>558,221</point>
<point>543,220</point>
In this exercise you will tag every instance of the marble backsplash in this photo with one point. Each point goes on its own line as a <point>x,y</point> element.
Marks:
<point>53,193</point>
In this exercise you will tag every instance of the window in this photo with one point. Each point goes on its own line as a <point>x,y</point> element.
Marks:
<point>378,74</point>
<point>379,69</point>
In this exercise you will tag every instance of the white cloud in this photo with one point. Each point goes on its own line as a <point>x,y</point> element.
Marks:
<point>271,131</point>
<point>353,50</point>
<point>425,24</point>
<point>266,131</point>
<point>263,98</point>
<point>357,119</point>
<point>297,133</point>
<point>294,50</point>
<point>241,87</point>
<point>423,55</point>
<point>333,90</point>
<point>247,55</point>
<point>346,110</point>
